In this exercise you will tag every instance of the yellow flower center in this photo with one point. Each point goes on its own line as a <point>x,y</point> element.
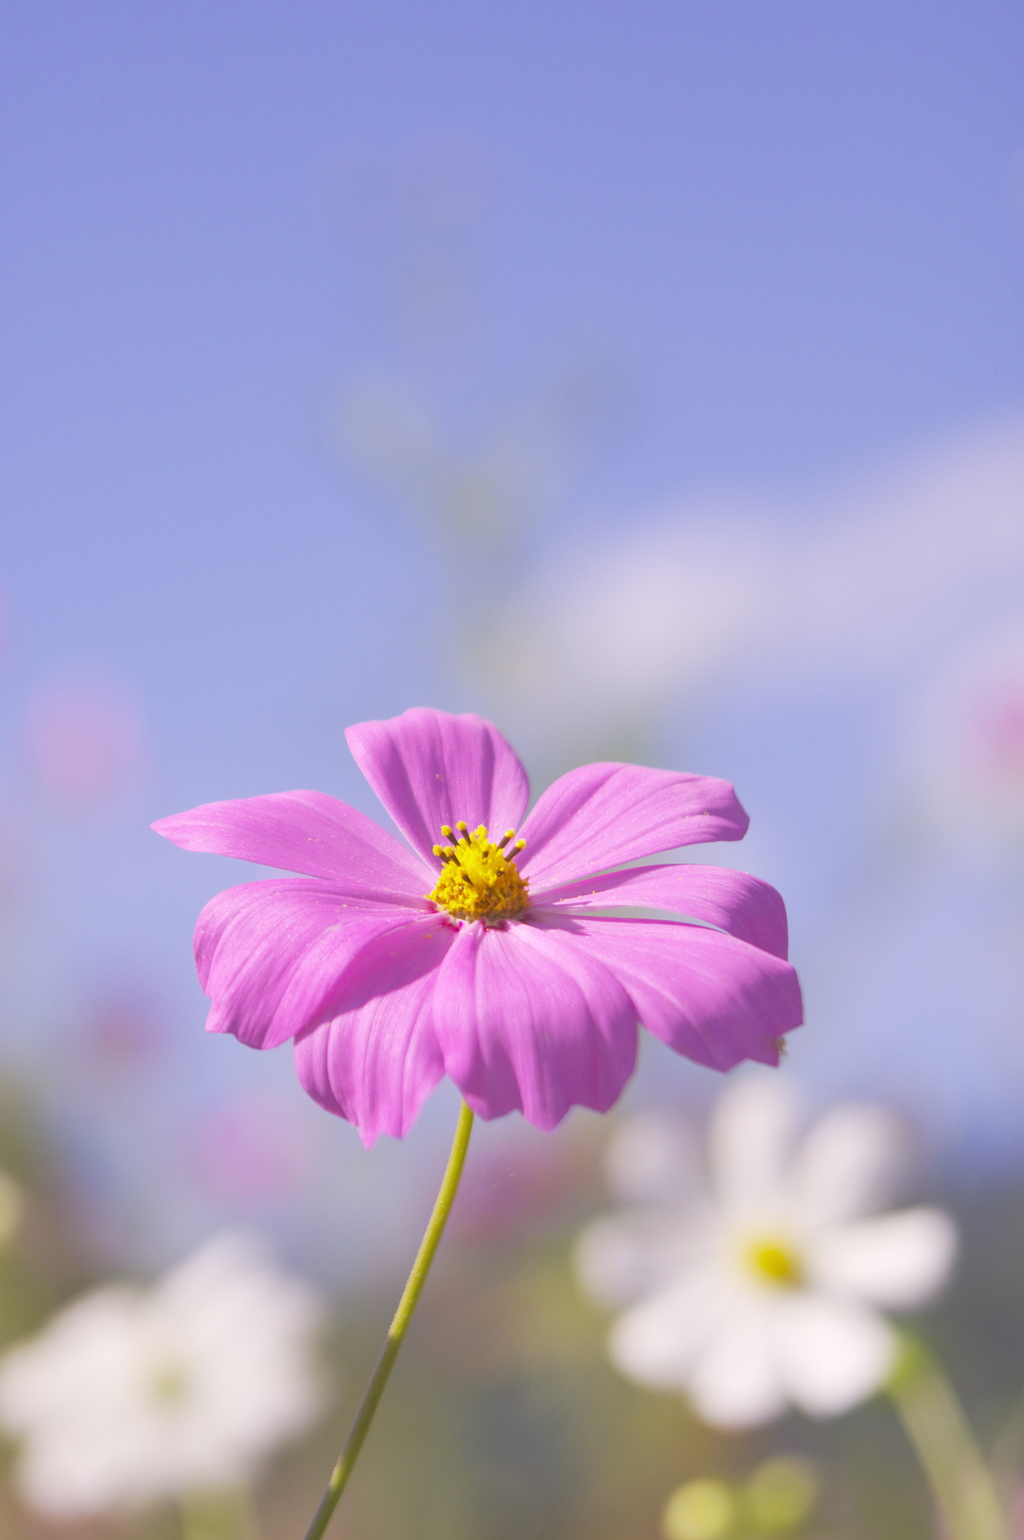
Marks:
<point>169,1384</point>
<point>478,880</point>
<point>775,1262</point>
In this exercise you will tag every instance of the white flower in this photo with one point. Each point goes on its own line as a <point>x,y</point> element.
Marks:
<point>127,1396</point>
<point>763,1291</point>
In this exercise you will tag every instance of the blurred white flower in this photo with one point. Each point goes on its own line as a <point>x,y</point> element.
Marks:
<point>763,1291</point>
<point>128,1395</point>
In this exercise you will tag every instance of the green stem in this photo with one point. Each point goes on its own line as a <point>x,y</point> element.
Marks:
<point>934,1421</point>
<point>1008,1454</point>
<point>397,1330</point>
<point>224,1515</point>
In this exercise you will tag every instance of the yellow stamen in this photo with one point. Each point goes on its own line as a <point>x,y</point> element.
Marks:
<point>774,1261</point>
<point>479,880</point>
<point>169,1384</point>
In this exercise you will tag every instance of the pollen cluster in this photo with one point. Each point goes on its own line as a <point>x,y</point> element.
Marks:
<point>775,1262</point>
<point>479,880</point>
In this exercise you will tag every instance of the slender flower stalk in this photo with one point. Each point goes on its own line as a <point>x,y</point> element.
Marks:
<point>1007,1456</point>
<point>962,1485</point>
<point>398,1328</point>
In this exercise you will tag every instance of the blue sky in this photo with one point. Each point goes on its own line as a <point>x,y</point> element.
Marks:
<point>790,228</point>
<point>787,235</point>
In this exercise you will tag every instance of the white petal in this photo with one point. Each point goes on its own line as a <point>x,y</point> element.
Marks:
<point>656,1341</point>
<point>849,1163</point>
<point>653,1158</point>
<point>735,1382</point>
<point>898,1261</point>
<point>832,1353</point>
<point>631,1254</point>
<point>84,1394</point>
<point>750,1139</point>
<point>76,1367</point>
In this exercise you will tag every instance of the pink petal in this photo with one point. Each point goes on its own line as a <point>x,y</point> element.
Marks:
<point>743,905</point>
<point>604,814</point>
<point>308,832</point>
<point>378,1060</point>
<point>431,768</point>
<point>713,998</point>
<point>270,954</point>
<point>528,1020</point>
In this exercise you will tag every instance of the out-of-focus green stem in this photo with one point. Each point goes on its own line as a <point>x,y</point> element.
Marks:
<point>224,1515</point>
<point>398,1327</point>
<point>1008,1455</point>
<point>961,1482</point>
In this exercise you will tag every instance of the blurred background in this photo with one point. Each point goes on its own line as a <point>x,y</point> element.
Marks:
<point>649,379</point>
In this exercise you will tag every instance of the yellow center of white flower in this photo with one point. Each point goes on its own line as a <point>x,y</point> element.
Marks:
<point>479,880</point>
<point>169,1384</point>
<point>775,1261</point>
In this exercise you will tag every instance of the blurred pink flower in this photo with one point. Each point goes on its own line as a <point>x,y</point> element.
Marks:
<point>1000,736</point>
<point>970,751</point>
<point>85,742</point>
<point>251,1150</point>
<point>122,1031</point>
<point>393,967</point>
<point>506,1195</point>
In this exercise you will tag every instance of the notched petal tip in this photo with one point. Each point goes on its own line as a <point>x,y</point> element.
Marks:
<point>431,768</point>
<point>528,1022</point>
<point>377,1060</point>
<point>604,814</point>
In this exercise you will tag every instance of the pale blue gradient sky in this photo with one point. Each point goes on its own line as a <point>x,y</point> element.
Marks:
<point>791,228</point>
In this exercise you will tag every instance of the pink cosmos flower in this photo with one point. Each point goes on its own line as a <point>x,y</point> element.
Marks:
<point>494,961</point>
